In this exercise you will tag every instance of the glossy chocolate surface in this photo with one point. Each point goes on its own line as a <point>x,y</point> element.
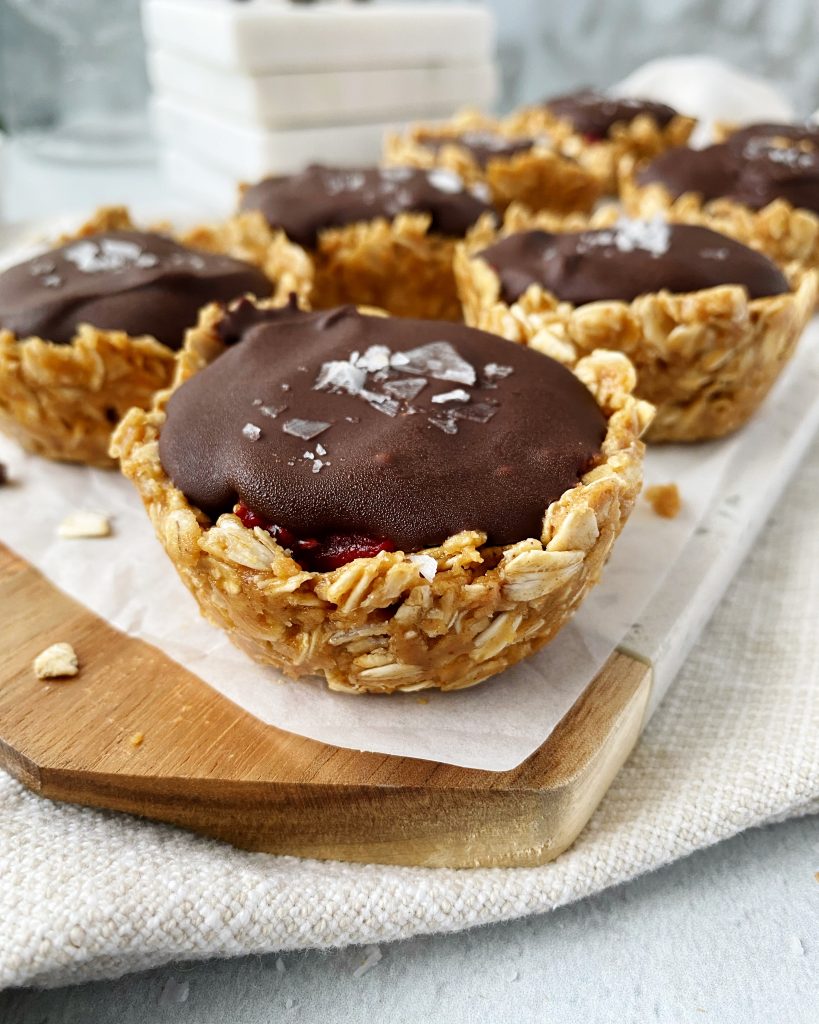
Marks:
<point>752,170</point>
<point>481,146</point>
<point>319,197</point>
<point>593,113</point>
<point>132,281</point>
<point>408,430</point>
<point>630,259</point>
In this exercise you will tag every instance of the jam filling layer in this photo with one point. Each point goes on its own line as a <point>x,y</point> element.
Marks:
<point>132,281</point>
<point>593,113</point>
<point>358,433</point>
<point>758,164</point>
<point>629,259</point>
<point>304,204</point>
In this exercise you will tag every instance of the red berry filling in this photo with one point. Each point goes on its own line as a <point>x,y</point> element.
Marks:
<point>591,137</point>
<point>317,554</point>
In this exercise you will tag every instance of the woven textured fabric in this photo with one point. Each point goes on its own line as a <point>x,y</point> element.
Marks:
<point>86,894</point>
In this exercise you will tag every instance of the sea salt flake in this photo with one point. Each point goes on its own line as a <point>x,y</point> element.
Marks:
<point>340,376</point>
<point>427,566</point>
<point>272,411</point>
<point>146,260</point>
<point>308,455</point>
<point>383,403</point>
<point>478,412</point>
<point>496,371</point>
<point>444,180</point>
<point>377,357</point>
<point>251,431</point>
<point>320,449</point>
<point>105,254</point>
<point>317,464</point>
<point>396,173</point>
<point>256,401</point>
<point>305,429</point>
<point>714,254</point>
<point>373,957</point>
<point>652,235</point>
<point>438,359</point>
<point>44,266</point>
<point>52,281</point>
<point>444,422</point>
<point>457,395</point>
<point>406,387</point>
<point>335,184</point>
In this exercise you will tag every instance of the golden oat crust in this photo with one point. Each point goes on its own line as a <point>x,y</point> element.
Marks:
<point>400,266</point>
<point>541,177</point>
<point>377,624</point>
<point>641,139</point>
<point>706,360</point>
<point>62,401</point>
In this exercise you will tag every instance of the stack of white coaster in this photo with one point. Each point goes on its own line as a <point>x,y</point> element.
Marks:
<point>245,89</point>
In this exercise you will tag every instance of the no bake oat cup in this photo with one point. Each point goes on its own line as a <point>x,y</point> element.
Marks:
<point>599,130</point>
<point>370,236</point>
<point>760,185</point>
<point>391,504</point>
<point>708,323</point>
<point>90,328</point>
<point>513,166</point>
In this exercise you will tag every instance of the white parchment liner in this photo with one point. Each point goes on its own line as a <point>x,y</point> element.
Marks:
<point>128,580</point>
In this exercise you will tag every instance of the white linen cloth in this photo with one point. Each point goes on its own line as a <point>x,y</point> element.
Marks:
<point>86,894</point>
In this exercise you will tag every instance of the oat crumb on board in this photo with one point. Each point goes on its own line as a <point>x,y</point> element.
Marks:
<point>137,739</point>
<point>665,500</point>
<point>84,524</point>
<point>59,661</point>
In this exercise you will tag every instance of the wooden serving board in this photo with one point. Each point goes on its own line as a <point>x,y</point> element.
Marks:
<point>206,765</point>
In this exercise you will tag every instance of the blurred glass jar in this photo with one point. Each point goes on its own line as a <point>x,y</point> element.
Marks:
<point>74,85</point>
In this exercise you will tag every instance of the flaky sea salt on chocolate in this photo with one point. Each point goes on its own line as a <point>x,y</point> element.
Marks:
<point>305,429</point>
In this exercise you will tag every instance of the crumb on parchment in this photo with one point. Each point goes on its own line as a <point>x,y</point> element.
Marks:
<point>84,524</point>
<point>665,500</point>
<point>137,739</point>
<point>59,661</point>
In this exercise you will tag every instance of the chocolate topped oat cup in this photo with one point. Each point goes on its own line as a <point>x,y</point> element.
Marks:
<point>394,504</point>
<point>371,236</point>
<point>89,328</point>
<point>760,185</point>
<point>514,166</point>
<point>598,130</point>
<point>707,322</point>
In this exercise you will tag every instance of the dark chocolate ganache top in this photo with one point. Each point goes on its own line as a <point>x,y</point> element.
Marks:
<point>132,281</point>
<point>750,169</point>
<point>408,430</point>
<point>593,113</point>
<point>320,197</point>
<point>482,146</point>
<point>806,133</point>
<point>629,259</point>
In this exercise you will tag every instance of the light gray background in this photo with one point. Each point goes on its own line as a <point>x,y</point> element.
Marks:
<point>730,935</point>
